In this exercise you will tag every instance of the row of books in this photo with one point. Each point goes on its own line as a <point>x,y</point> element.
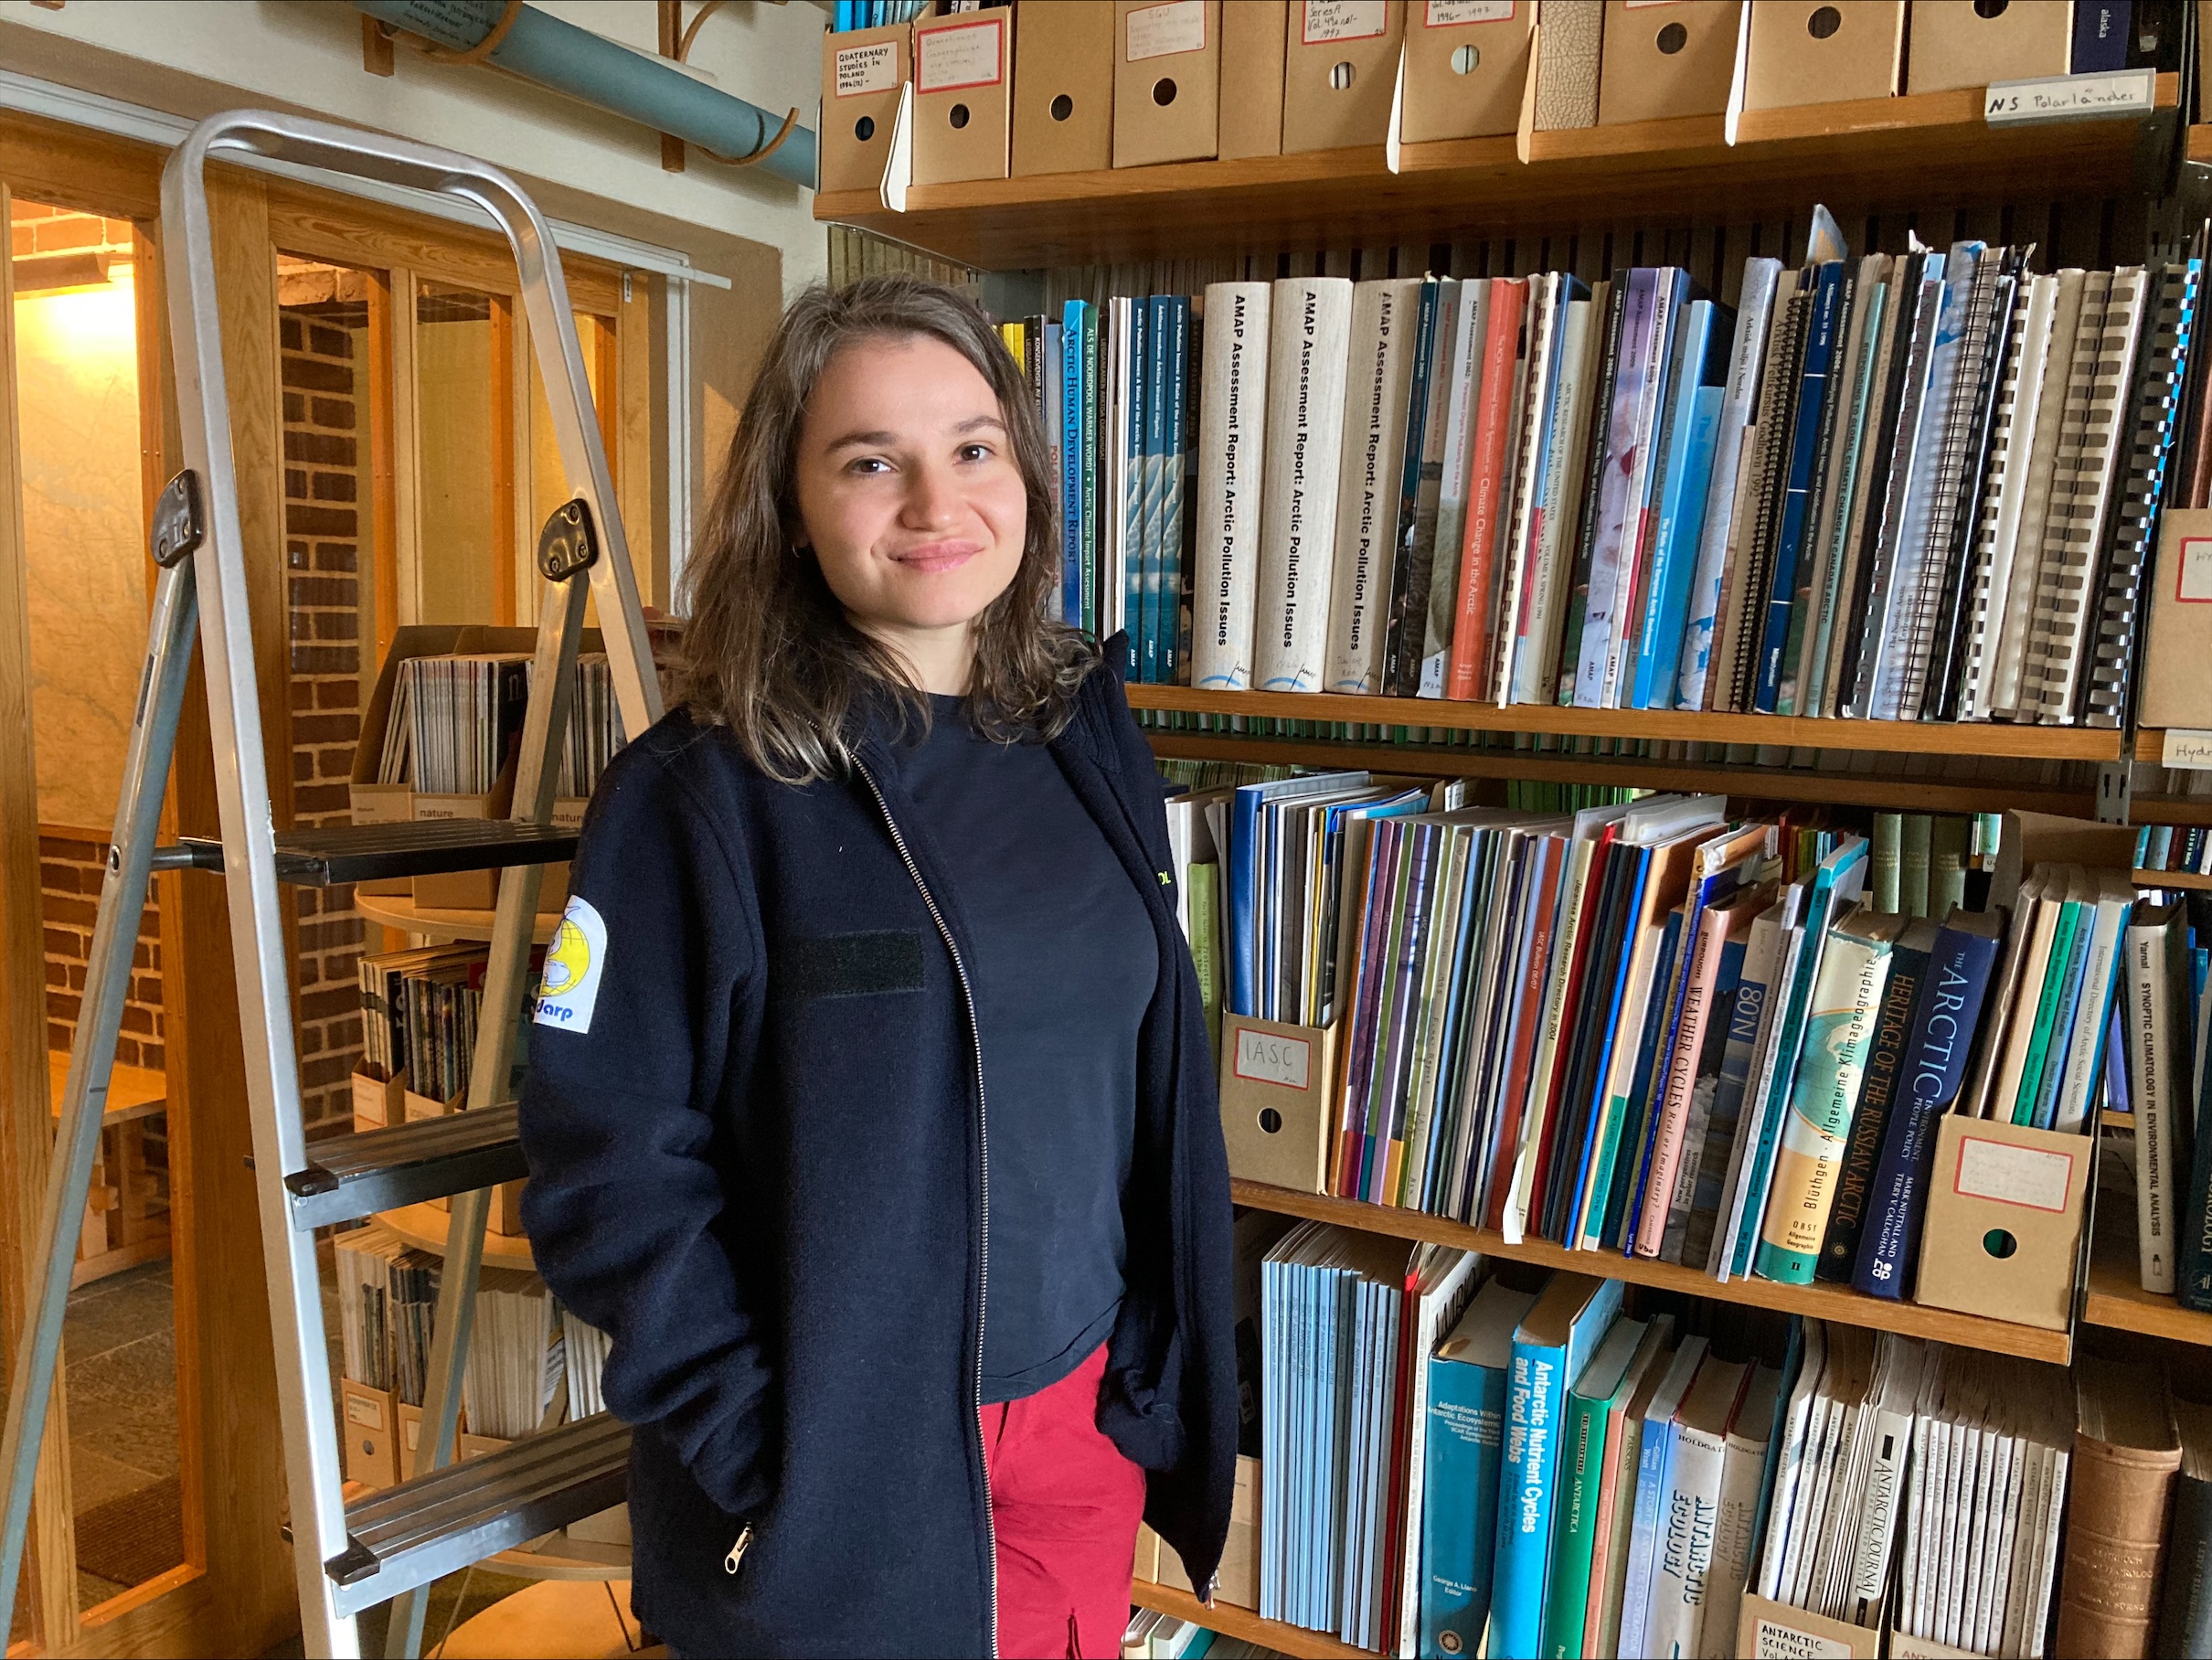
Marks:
<point>1457,1458</point>
<point>1648,1029</point>
<point>2183,849</point>
<point>419,1011</point>
<point>388,1293</point>
<point>873,14</point>
<point>1112,385</point>
<point>1919,862</point>
<point>455,719</point>
<point>1908,486</point>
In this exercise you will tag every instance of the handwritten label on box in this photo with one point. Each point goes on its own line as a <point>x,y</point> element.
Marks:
<point>2187,749</point>
<point>966,55</point>
<point>873,68</point>
<point>1269,1058</point>
<point>366,1410</point>
<point>1327,20</point>
<point>1160,31</point>
<point>2009,103</point>
<point>1452,14</point>
<point>2014,1175</point>
<point>2193,571</point>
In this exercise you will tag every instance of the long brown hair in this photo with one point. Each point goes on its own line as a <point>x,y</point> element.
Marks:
<point>768,651</point>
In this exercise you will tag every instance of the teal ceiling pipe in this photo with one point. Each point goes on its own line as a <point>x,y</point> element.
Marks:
<point>587,67</point>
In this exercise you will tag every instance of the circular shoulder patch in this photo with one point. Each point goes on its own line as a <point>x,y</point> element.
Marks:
<point>574,962</point>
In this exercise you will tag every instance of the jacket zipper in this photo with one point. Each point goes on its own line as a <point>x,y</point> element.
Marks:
<point>735,1558</point>
<point>983,1278</point>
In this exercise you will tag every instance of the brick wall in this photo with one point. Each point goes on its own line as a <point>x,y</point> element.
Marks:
<point>69,867</point>
<point>322,530</point>
<point>36,229</point>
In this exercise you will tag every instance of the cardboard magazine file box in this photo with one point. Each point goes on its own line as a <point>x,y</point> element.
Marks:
<point>608,1526</point>
<point>379,1102</point>
<point>1340,62</point>
<point>1277,1090</point>
<point>1955,45</point>
<point>2177,649</point>
<point>1775,1630</point>
<point>1147,1564</point>
<point>963,96</point>
<point>1237,1581</point>
<point>1167,81</point>
<point>370,1419</point>
<point>862,70</point>
<point>1250,116</point>
<point>1063,87</point>
<point>1811,51</point>
<point>410,1438</point>
<point>1904,1645</point>
<point>1666,57</point>
<point>2003,1223</point>
<point>381,804</point>
<point>1466,69</point>
<point>467,1446</point>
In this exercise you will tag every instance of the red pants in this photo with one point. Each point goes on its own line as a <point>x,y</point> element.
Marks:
<point>1065,1505</point>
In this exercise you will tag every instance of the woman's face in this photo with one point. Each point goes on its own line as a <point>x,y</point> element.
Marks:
<point>909,494</point>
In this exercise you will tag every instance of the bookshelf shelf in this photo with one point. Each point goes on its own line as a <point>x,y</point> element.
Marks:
<point>1760,783</point>
<point>424,1226</point>
<point>1928,148</point>
<point>1233,1622</point>
<point>2117,1301</point>
<point>1663,725</point>
<point>2171,878</point>
<point>1819,1301</point>
<point>443,926</point>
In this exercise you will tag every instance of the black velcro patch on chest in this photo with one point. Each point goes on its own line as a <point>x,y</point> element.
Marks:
<point>849,964</point>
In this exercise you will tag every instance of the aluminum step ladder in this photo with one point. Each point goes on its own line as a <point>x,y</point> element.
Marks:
<point>393,1543</point>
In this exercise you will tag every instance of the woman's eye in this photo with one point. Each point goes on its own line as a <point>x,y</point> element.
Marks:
<point>978,452</point>
<point>868,465</point>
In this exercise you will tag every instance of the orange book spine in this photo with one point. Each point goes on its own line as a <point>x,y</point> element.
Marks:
<point>1501,349</point>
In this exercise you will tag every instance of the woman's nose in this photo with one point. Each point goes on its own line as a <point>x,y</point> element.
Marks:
<point>932,498</point>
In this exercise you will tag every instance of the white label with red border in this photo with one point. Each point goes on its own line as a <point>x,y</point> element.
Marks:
<point>873,68</point>
<point>1271,1058</point>
<point>1161,31</point>
<point>965,55</point>
<point>2029,1177</point>
<point>1454,14</point>
<point>1330,20</point>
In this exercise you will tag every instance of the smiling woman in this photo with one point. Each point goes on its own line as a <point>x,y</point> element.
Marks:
<point>911,1224</point>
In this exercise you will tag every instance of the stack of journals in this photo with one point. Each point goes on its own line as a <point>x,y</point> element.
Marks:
<point>516,1355</point>
<point>873,14</point>
<point>1647,1029</point>
<point>418,1017</point>
<point>387,1291</point>
<point>455,719</point>
<point>1919,486</point>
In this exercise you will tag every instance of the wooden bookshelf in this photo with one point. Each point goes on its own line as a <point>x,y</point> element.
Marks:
<point>2171,878</point>
<point>1981,739</point>
<point>1928,150</point>
<point>1820,1301</point>
<point>1233,1622</point>
<point>1743,782</point>
<point>2117,1301</point>
<point>443,926</point>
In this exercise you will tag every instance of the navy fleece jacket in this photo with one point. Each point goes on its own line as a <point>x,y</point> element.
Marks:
<point>757,1124</point>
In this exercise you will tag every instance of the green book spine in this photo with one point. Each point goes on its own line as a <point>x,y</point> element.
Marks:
<point>1882,862</point>
<point>2046,1012</point>
<point>1204,899</point>
<point>1912,864</point>
<point>1582,1468</point>
<point>1947,855</point>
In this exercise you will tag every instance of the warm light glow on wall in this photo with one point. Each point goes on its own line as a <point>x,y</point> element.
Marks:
<point>98,318</point>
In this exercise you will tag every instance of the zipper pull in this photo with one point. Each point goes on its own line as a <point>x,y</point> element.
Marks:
<point>735,1558</point>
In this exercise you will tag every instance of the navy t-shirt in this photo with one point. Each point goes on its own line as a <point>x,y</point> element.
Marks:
<point>1064,965</point>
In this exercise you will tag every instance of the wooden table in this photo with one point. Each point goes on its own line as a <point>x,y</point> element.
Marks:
<point>126,1220</point>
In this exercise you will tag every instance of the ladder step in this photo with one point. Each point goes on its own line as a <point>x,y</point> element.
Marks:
<point>371,853</point>
<point>422,1529</point>
<point>356,1176</point>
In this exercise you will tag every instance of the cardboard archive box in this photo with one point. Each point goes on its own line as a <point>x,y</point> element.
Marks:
<point>1466,68</point>
<point>2003,1226</point>
<point>1813,51</point>
<point>963,102</point>
<point>1237,1581</point>
<point>1251,82</point>
<point>1063,87</point>
<point>379,1102</point>
<point>1666,57</point>
<point>1956,46</point>
<point>2177,649</point>
<point>370,1420</point>
<point>862,70</point>
<point>1277,1090</point>
<point>1340,72</point>
<point>1775,1630</point>
<point>1166,80</point>
<point>410,1438</point>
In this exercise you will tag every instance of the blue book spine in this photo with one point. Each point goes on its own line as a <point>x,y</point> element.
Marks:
<point>1933,1067</point>
<point>1535,1396</point>
<point>2062,1029</point>
<point>1595,1118</point>
<point>1132,504</point>
<point>1654,1471</point>
<point>2100,36</point>
<point>1675,438</point>
<point>1072,461</point>
<point>1154,473</point>
<point>1244,897</point>
<point>1171,489</point>
<point>1781,595</point>
<point>1460,1504</point>
<point>1673,597</point>
<point>1627,1135</point>
<point>1093,385</point>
